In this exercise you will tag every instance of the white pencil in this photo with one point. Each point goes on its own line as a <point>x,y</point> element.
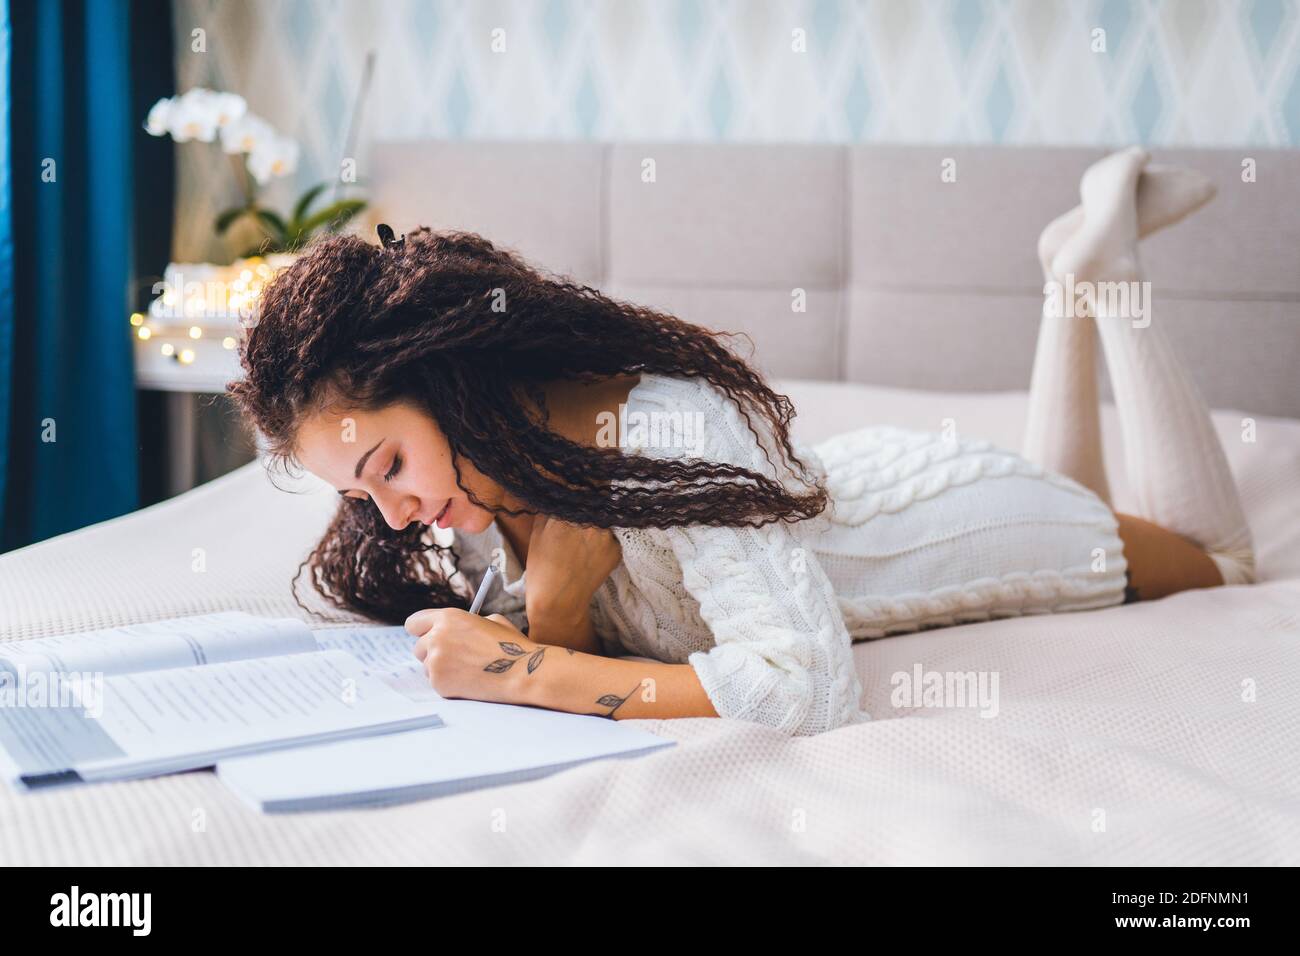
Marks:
<point>486,583</point>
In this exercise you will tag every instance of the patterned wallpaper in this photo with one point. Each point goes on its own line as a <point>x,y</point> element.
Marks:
<point>1162,72</point>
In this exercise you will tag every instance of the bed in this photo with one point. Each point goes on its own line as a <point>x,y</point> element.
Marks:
<point>1165,732</point>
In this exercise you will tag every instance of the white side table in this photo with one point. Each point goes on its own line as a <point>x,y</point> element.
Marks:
<point>213,365</point>
<point>214,301</point>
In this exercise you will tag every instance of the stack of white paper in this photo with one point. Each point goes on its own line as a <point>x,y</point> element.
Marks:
<point>479,744</point>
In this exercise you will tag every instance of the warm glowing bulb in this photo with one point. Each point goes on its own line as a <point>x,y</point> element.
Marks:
<point>144,331</point>
<point>187,356</point>
<point>228,342</point>
<point>195,332</point>
<point>168,348</point>
<point>137,318</point>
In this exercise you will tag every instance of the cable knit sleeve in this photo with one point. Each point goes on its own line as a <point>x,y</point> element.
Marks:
<point>782,655</point>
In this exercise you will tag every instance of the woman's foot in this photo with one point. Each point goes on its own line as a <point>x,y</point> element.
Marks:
<point>1051,239</point>
<point>1165,194</point>
<point>1104,246</point>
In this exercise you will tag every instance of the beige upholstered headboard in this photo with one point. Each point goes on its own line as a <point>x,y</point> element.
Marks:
<point>908,280</point>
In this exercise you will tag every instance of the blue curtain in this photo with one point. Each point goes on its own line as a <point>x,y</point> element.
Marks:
<point>78,78</point>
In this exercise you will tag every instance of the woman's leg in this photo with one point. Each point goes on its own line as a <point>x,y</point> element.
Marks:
<point>1161,562</point>
<point>1063,429</point>
<point>1177,469</point>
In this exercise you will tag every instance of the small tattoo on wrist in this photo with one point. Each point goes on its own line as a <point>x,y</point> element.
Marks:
<point>503,664</point>
<point>614,702</point>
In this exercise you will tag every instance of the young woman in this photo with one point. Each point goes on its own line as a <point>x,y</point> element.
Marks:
<point>439,380</point>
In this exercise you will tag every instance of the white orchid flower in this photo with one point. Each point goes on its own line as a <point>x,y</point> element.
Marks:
<point>228,107</point>
<point>246,134</point>
<point>277,156</point>
<point>156,123</point>
<point>193,115</point>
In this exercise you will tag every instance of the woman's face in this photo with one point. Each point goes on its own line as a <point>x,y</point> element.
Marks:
<point>397,457</point>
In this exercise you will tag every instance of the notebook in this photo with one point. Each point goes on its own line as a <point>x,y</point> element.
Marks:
<point>181,694</point>
<point>479,745</point>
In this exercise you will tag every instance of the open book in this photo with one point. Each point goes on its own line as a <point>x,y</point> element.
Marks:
<point>181,694</point>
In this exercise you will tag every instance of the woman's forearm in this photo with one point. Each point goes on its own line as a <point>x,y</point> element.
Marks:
<point>580,683</point>
<point>571,631</point>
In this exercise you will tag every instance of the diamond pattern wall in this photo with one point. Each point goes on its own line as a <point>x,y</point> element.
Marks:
<point>1172,73</point>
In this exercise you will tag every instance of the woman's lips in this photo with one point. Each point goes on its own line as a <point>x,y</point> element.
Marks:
<point>438,518</point>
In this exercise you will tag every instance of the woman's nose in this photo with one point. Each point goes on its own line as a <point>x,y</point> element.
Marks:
<point>396,511</point>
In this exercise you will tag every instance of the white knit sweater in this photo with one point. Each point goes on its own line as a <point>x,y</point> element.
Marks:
<point>923,531</point>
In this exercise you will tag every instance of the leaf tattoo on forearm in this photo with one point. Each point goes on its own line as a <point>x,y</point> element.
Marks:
<point>503,664</point>
<point>613,701</point>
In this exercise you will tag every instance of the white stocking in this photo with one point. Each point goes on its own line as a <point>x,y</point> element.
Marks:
<point>1176,466</point>
<point>1063,428</point>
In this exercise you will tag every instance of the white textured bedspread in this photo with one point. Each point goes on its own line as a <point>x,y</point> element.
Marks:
<point>1158,733</point>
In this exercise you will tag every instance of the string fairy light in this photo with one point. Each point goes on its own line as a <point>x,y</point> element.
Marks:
<point>197,295</point>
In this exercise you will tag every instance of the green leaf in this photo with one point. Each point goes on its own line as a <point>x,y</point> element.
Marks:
<point>227,219</point>
<point>304,203</point>
<point>335,215</point>
<point>344,217</point>
<point>273,224</point>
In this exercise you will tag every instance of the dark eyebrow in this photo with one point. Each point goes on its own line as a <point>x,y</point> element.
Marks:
<point>361,464</point>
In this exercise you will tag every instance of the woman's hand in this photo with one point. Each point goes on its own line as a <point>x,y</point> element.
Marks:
<point>485,658</point>
<point>465,655</point>
<point>566,565</point>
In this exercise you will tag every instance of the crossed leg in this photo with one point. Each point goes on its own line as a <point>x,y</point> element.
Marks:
<point>1191,531</point>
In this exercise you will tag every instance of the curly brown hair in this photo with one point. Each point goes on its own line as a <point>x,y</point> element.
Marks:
<point>414,321</point>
